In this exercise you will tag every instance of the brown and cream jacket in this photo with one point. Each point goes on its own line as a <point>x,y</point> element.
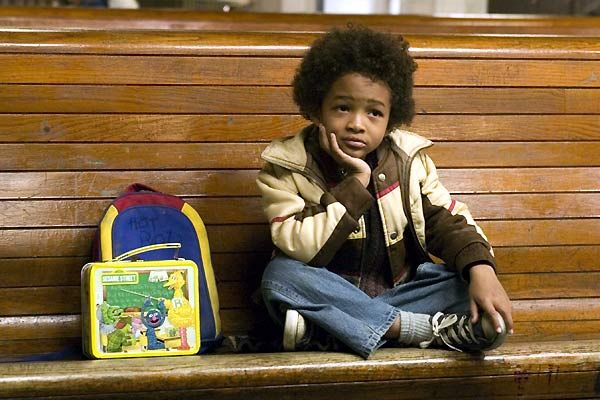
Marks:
<point>315,222</point>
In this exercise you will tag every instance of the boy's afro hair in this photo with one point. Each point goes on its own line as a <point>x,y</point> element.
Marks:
<point>379,56</point>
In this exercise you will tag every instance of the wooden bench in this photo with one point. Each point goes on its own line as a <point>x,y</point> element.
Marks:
<point>83,114</point>
<point>148,19</point>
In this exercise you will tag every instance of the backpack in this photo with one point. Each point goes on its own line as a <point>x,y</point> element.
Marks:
<point>142,216</point>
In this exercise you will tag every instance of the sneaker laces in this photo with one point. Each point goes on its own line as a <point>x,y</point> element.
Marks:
<point>448,329</point>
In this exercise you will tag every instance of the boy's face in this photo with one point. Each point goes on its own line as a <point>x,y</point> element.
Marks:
<point>357,110</point>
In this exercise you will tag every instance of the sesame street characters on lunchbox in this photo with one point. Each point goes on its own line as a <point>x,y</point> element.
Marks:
<point>140,308</point>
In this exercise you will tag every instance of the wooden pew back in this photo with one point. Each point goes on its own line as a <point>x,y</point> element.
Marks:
<point>83,114</point>
<point>148,19</point>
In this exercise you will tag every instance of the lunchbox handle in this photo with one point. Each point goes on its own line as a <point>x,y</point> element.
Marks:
<point>151,247</point>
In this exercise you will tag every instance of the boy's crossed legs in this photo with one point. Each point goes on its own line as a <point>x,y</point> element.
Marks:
<point>408,313</point>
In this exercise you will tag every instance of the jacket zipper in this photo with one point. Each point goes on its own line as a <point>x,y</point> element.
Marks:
<point>406,204</point>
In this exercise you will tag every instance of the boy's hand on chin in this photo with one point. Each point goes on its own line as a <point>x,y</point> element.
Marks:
<point>356,167</point>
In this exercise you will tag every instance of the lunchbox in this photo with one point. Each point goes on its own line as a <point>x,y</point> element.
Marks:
<point>140,308</point>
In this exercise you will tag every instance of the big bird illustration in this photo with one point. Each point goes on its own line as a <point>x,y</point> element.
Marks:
<point>180,312</point>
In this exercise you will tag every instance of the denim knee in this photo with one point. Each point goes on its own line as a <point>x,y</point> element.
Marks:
<point>281,279</point>
<point>298,285</point>
<point>281,269</point>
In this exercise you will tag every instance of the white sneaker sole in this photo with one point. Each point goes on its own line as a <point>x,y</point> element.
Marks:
<point>290,330</point>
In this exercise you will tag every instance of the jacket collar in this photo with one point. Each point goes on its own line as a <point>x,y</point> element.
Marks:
<point>288,152</point>
<point>408,142</point>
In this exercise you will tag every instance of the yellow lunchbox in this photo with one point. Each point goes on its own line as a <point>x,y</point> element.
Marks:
<point>140,308</point>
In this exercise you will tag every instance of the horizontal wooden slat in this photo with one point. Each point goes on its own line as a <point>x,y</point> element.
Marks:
<point>262,128</point>
<point>68,347</point>
<point>62,347</point>
<point>69,325</point>
<point>41,326</point>
<point>528,73</point>
<point>504,128</point>
<point>145,19</point>
<point>141,127</point>
<point>249,238</point>
<point>278,100</point>
<point>543,232</point>
<point>228,210</point>
<point>248,210</point>
<point>524,206</point>
<point>518,287</point>
<point>108,184</point>
<point>548,259</point>
<point>145,99</point>
<point>577,309</point>
<point>19,350</point>
<point>285,44</point>
<point>515,154</point>
<point>236,294</point>
<point>25,157</point>
<point>585,311</point>
<point>41,300</point>
<point>255,237</point>
<point>145,70</point>
<point>132,156</point>
<point>111,184</point>
<point>66,271</point>
<point>78,241</point>
<point>42,271</point>
<point>506,101</point>
<point>248,266</point>
<point>173,19</point>
<point>559,331</point>
<point>426,372</point>
<point>533,180</point>
<point>67,299</point>
<point>550,285</point>
<point>164,43</point>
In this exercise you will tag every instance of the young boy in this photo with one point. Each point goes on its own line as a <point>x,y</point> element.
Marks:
<point>356,209</point>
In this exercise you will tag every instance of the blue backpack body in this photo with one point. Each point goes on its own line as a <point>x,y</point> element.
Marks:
<point>142,217</point>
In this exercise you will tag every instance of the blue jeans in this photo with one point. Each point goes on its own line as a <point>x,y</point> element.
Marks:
<point>347,313</point>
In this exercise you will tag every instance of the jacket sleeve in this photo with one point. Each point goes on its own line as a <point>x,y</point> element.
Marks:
<point>450,231</point>
<point>307,223</point>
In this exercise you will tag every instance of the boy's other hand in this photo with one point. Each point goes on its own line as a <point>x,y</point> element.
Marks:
<point>356,167</point>
<point>488,295</point>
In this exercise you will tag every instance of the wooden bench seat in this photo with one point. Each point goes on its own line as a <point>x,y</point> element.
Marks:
<point>148,19</point>
<point>532,370</point>
<point>516,121</point>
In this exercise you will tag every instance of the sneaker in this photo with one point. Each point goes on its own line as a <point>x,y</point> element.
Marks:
<point>458,333</point>
<point>294,330</point>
